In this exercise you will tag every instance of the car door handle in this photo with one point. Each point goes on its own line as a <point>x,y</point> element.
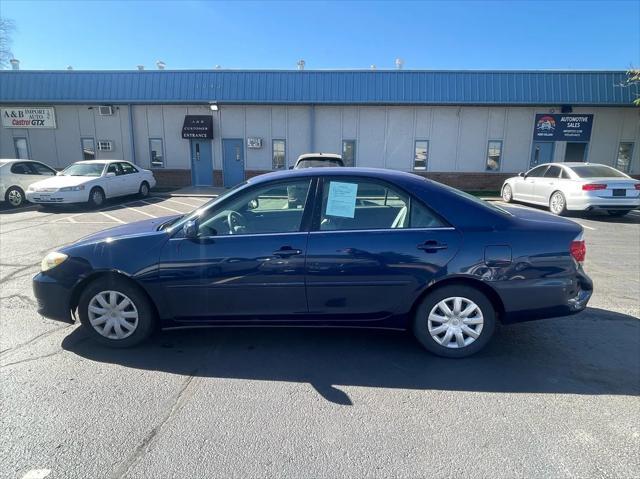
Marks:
<point>432,246</point>
<point>287,251</point>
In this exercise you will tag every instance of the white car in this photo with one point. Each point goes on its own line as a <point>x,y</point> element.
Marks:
<point>92,182</point>
<point>16,176</point>
<point>575,187</point>
<point>310,160</point>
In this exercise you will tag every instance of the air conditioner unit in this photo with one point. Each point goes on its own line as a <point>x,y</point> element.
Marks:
<point>105,145</point>
<point>105,110</point>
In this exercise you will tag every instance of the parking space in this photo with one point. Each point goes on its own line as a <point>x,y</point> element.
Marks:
<point>553,398</point>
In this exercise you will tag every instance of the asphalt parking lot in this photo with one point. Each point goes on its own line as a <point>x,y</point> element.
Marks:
<point>552,398</point>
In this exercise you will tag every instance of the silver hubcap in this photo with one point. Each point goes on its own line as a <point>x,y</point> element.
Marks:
<point>113,315</point>
<point>506,193</point>
<point>15,197</point>
<point>557,203</point>
<point>145,190</point>
<point>455,322</point>
<point>97,197</point>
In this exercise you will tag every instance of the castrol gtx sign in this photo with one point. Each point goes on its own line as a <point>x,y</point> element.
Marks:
<point>28,117</point>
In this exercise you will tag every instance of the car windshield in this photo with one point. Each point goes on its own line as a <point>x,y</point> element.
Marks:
<point>313,162</point>
<point>597,171</point>
<point>84,169</point>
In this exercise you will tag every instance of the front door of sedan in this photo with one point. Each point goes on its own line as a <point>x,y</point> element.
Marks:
<point>248,261</point>
<point>114,180</point>
<point>131,178</point>
<point>373,248</point>
<point>526,189</point>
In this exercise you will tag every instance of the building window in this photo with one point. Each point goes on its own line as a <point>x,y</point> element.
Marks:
<point>494,155</point>
<point>625,153</point>
<point>278,159</point>
<point>88,149</point>
<point>420,155</point>
<point>349,152</point>
<point>156,150</point>
<point>22,148</point>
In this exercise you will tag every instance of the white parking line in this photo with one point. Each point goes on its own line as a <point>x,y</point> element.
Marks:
<point>182,203</point>
<point>141,212</point>
<point>160,206</point>
<point>585,226</point>
<point>112,217</point>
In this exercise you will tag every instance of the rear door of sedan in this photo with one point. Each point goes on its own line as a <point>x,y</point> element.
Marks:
<point>372,249</point>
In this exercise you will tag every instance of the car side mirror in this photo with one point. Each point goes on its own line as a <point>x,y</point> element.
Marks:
<point>110,174</point>
<point>521,174</point>
<point>190,229</point>
<point>253,204</point>
<point>59,173</point>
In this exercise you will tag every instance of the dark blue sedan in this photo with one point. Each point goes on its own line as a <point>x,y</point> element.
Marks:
<point>347,247</point>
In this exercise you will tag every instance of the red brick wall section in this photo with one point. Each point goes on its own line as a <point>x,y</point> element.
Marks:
<point>172,178</point>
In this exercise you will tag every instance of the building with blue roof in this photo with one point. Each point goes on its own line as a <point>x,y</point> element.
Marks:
<point>466,128</point>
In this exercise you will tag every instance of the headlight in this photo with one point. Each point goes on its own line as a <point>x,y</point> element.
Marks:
<point>72,188</point>
<point>52,260</point>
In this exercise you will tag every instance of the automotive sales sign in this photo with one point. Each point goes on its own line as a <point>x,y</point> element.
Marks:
<point>28,117</point>
<point>562,127</point>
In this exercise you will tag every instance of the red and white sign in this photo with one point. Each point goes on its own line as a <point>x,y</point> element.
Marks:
<point>28,117</point>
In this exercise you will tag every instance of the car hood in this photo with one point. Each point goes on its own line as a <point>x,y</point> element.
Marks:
<point>144,227</point>
<point>62,181</point>
<point>535,217</point>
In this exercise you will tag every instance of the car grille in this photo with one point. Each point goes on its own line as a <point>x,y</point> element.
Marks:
<point>42,190</point>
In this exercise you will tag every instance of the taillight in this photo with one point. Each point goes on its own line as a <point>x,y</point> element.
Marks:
<point>594,186</point>
<point>637,186</point>
<point>578,249</point>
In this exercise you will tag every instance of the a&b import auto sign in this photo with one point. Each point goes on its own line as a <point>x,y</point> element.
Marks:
<point>28,117</point>
<point>562,127</point>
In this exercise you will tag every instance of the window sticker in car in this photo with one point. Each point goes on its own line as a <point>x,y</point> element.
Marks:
<point>342,199</point>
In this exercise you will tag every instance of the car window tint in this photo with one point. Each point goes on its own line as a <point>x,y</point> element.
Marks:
<point>552,172</point>
<point>41,169</point>
<point>537,172</point>
<point>272,208</point>
<point>361,204</point>
<point>115,168</point>
<point>128,168</point>
<point>597,171</point>
<point>564,174</point>
<point>21,169</point>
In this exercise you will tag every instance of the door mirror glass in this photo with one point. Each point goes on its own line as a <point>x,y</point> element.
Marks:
<point>253,204</point>
<point>190,229</point>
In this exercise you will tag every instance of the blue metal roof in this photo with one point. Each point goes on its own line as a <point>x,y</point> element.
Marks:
<point>319,87</point>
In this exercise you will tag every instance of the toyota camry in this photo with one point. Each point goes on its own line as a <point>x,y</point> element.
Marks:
<point>342,247</point>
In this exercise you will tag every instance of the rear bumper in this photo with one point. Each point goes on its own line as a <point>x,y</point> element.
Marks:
<point>610,203</point>
<point>528,300</point>
<point>53,298</point>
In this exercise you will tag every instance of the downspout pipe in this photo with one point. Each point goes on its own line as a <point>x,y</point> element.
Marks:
<point>132,141</point>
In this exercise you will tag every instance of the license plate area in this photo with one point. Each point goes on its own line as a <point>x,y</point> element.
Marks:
<point>619,192</point>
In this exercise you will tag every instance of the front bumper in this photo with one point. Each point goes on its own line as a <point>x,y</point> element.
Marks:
<point>54,298</point>
<point>57,197</point>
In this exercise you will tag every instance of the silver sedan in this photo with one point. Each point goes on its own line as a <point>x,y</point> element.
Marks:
<point>566,187</point>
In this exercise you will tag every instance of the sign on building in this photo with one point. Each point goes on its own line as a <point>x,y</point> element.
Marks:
<point>28,117</point>
<point>562,127</point>
<point>197,127</point>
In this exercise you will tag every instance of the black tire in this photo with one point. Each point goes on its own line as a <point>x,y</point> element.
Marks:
<point>618,213</point>
<point>507,194</point>
<point>96,197</point>
<point>559,208</point>
<point>15,197</point>
<point>143,191</point>
<point>431,300</point>
<point>146,313</point>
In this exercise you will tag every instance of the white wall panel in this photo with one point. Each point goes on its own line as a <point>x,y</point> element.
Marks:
<point>399,139</point>
<point>517,139</point>
<point>258,125</point>
<point>370,144</point>
<point>472,138</point>
<point>328,130</point>
<point>298,132</point>
<point>444,139</point>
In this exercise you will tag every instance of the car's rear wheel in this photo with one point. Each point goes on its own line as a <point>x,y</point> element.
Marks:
<point>507,194</point>
<point>454,321</point>
<point>116,312</point>
<point>558,204</point>
<point>14,196</point>
<point>618,213</point>
<point>143,192</point>
<point>96,197</point>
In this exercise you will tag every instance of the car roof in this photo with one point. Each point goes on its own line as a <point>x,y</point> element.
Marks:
<point>102,162</point>
<point>574,163</point>
<point>381,173</point>
<point>320,155</point>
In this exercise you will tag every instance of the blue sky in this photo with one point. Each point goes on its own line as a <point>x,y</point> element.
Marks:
<point>427,35</point>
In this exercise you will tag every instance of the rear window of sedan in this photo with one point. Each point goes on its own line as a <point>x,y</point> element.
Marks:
<point>597,171</point>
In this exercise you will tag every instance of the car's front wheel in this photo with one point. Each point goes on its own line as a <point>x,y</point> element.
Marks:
<point>14,196</point>
<point>96,197</point>
<point>454,321</point>
<point>116,312</point>
<point>507,194</point>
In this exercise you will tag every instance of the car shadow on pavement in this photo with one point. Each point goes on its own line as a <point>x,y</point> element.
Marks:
<point>601,216</point>
<point>595,352</point>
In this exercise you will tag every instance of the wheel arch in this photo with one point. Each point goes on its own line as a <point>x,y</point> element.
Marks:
<point>115,274</point>
<point>482,286</point>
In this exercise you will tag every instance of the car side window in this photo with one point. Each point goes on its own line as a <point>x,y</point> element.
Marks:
<point>552,172</point>
<point>272,208</point>
<point>537,172</point>
<point>21,169</point>
<point>128,168</point>
<point>564,175</point>
<point>115,168</point>
<point>363,204</point>
<point>40,169</point>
